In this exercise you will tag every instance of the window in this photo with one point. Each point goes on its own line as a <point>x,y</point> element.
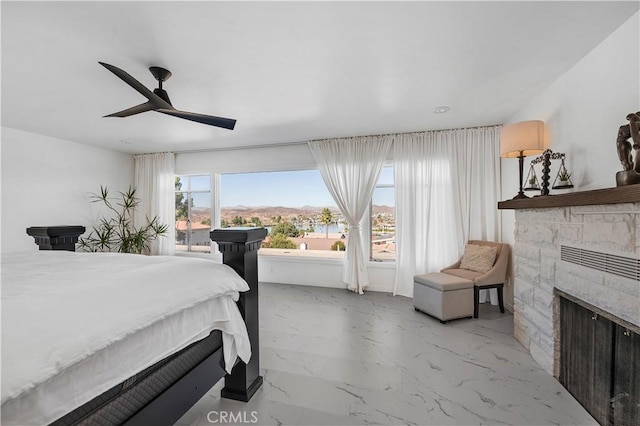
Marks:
<point>193,213</point>
<point>383,218</point>
<point>294,206</point>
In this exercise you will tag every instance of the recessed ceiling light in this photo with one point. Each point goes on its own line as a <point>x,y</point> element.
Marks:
<point>441,109</point>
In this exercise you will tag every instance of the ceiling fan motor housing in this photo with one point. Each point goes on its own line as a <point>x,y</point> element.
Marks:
<point>161,74</point>
<point>163,94</point>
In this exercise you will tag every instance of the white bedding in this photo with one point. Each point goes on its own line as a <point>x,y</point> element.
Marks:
<point>76,324</point>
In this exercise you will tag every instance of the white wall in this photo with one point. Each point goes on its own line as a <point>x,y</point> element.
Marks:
<point>312,272</point>
<point>320,272</point>
<point>47,181</point>
<point>272,158</point>
<point>582,112</point>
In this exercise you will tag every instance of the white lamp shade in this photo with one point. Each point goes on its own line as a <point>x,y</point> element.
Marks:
<point>526,137</point>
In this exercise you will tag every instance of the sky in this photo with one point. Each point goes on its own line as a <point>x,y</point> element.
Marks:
<point>288,189</point>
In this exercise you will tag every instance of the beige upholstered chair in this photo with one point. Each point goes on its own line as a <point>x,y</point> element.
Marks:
<point>494,278</point>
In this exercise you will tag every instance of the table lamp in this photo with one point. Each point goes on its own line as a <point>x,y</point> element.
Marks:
<point>519,140</point>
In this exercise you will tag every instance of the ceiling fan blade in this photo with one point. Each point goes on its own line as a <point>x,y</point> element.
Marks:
<point>226,123</point>
<point>147,106</point>
<point>159,100</point>
<point>127,78</point>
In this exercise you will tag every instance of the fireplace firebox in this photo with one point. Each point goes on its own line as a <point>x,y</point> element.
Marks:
<point>600,361</point>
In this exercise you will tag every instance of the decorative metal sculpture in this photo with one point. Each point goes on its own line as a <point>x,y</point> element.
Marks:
<point>628,153</point>
<point>563,175</point>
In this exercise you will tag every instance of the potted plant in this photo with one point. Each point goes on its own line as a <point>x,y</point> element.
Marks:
<point>532,183</point>
<point>118,233</point>
<point>563,179</point>
<point>564,176</point>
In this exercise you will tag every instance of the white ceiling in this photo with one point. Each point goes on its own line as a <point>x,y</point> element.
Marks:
<point>287,71</point>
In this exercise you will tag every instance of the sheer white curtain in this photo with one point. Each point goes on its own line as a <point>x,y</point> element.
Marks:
<point>350,169</point>
<point>477,181</point>
<point>155,182</point>
<point>447,190</point>
<point>426,235</point>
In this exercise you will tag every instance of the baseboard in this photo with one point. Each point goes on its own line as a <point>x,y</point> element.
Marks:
<point>376,288</point>
<point>508,306</point>
<point>380,288</point>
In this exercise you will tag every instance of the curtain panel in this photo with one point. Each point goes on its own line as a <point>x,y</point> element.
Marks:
<point>350,169</point>
<point>447,190</point>
<point>154,181</point>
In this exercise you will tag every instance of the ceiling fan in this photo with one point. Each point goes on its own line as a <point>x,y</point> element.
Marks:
<point>158,100</point>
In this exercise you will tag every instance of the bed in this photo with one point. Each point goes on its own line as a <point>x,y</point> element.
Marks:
<point>140,341</point>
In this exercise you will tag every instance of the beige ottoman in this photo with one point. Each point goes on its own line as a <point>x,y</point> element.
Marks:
<point>443,296</point>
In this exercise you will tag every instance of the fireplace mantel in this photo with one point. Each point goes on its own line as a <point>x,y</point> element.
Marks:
<point>618,195</point>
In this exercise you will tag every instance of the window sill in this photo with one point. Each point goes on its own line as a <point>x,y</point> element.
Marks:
<point>201,255</point>
<point>301,259</point>
<point>288,257</point>
<point>323,260</point>
<point>297,253</point>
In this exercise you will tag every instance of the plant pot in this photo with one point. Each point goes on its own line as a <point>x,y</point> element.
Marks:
<point>563,184</point>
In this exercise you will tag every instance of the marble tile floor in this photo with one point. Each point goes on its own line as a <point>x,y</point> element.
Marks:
<point>332,357</point>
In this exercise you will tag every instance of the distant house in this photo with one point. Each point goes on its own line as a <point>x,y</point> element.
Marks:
<point>199,233</point>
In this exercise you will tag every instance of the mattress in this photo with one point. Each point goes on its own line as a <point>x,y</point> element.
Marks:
<point>76,324</point>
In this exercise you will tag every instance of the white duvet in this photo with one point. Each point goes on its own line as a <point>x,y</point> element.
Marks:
<point>76,324</point>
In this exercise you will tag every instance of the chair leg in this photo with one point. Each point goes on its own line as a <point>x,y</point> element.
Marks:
<point>476,301</point>
<point>500,298</point>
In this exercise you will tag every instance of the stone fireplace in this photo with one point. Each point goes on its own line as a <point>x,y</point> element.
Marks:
<point>540,235</point>
<point>583,246</point>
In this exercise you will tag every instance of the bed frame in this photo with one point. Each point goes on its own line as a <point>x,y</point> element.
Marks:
<point>165,405</point>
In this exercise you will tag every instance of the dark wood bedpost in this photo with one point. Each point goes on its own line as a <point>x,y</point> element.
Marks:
<point>239,248</point>
<point>56,237</point>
